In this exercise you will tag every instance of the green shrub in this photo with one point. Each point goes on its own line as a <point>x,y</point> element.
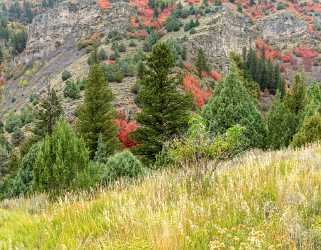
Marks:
<point>122,47</point>
<point>65,75</point>
<point>114,35</point>
<point>114,55</point>
<point>93,58</point>
<point>113,73</point>
<point>102,55</point>
<point>281,6</point>
<point>127,67</point>
<point>17,137</point>
<point>26,115</point>
<point>132,43</point>
<point>192,147</point>
<point>21,184</point>
<point>232,143</point>
<point>173,24</point>
<point>82,84</point>
<point>72,90</point>
<point>12,123</point>
<point>61,157</point>
<point>123,164</point>
<point>199,144</point>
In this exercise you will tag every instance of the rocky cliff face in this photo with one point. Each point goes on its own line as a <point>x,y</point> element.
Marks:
<point>52,39</point>
<point>69,22</point>
<point>282,30</point>
<point>222,34</point>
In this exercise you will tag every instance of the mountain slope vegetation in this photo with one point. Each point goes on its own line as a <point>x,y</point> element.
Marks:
<point>262,200</point>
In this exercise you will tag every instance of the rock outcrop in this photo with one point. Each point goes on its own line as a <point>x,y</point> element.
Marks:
<point>222,34</point>
<point>68,22</point>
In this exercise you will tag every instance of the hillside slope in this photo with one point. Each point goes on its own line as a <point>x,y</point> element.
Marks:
<point>261,201</point>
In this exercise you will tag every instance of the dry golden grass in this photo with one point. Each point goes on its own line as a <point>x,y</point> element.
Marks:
<point>266,200</point>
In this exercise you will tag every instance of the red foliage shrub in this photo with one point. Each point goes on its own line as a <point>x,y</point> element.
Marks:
<point>286,58</point>
<point>216,76</point>
<point>192,2</point>
<point>192,85</point>
<point>104,4</point>
<point>134,22</point>
<point>269,52</point>
<point>205,74</point>
<point>125,128</point>
<point>305,52</point>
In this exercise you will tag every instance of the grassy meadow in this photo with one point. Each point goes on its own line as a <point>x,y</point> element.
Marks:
<point>263,200</point>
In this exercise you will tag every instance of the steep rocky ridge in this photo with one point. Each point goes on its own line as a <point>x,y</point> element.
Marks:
<point>54,34</point>
<point>53,38</point>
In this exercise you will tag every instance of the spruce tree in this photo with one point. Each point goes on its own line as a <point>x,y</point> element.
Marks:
<point>281,124</point>
<point>48,113</point>
<point>164,110</point>
<point>230,105</point>
<point>201,63</point>
<point>96,115</point>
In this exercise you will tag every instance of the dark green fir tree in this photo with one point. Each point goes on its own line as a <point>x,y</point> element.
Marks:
<point>164,110</point>
<point>96,115</point>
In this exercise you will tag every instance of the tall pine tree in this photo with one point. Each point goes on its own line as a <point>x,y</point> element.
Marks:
<point>164,110</point>
<point>97,114</point>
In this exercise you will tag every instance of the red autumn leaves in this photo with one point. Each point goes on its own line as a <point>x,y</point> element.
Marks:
<point>104,4</point>
<point>192,85</point>
<point>125,128</point>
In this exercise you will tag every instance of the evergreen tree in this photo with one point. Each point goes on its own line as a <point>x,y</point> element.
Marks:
<point>201,63</point>
<point>278,83</point>
<point>97,114</point>
<point>313,100</point>
<point>252,63</point>
<point>270,77</point>
<point>296,99</point>
<point>61,157</point>
<point>140,70</point>
<point>48,113</point>
<point>261,74</point>
<point>230,105</point>
<point>1,56</point>
<point>164,109</point>
<point>101,154</point>
<point>281,124</point>
<point>28,11</point>
<point>309,132</point>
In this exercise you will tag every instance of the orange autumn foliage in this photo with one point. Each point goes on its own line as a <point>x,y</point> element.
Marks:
<point>104,4</point>
<point>192,85</point>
